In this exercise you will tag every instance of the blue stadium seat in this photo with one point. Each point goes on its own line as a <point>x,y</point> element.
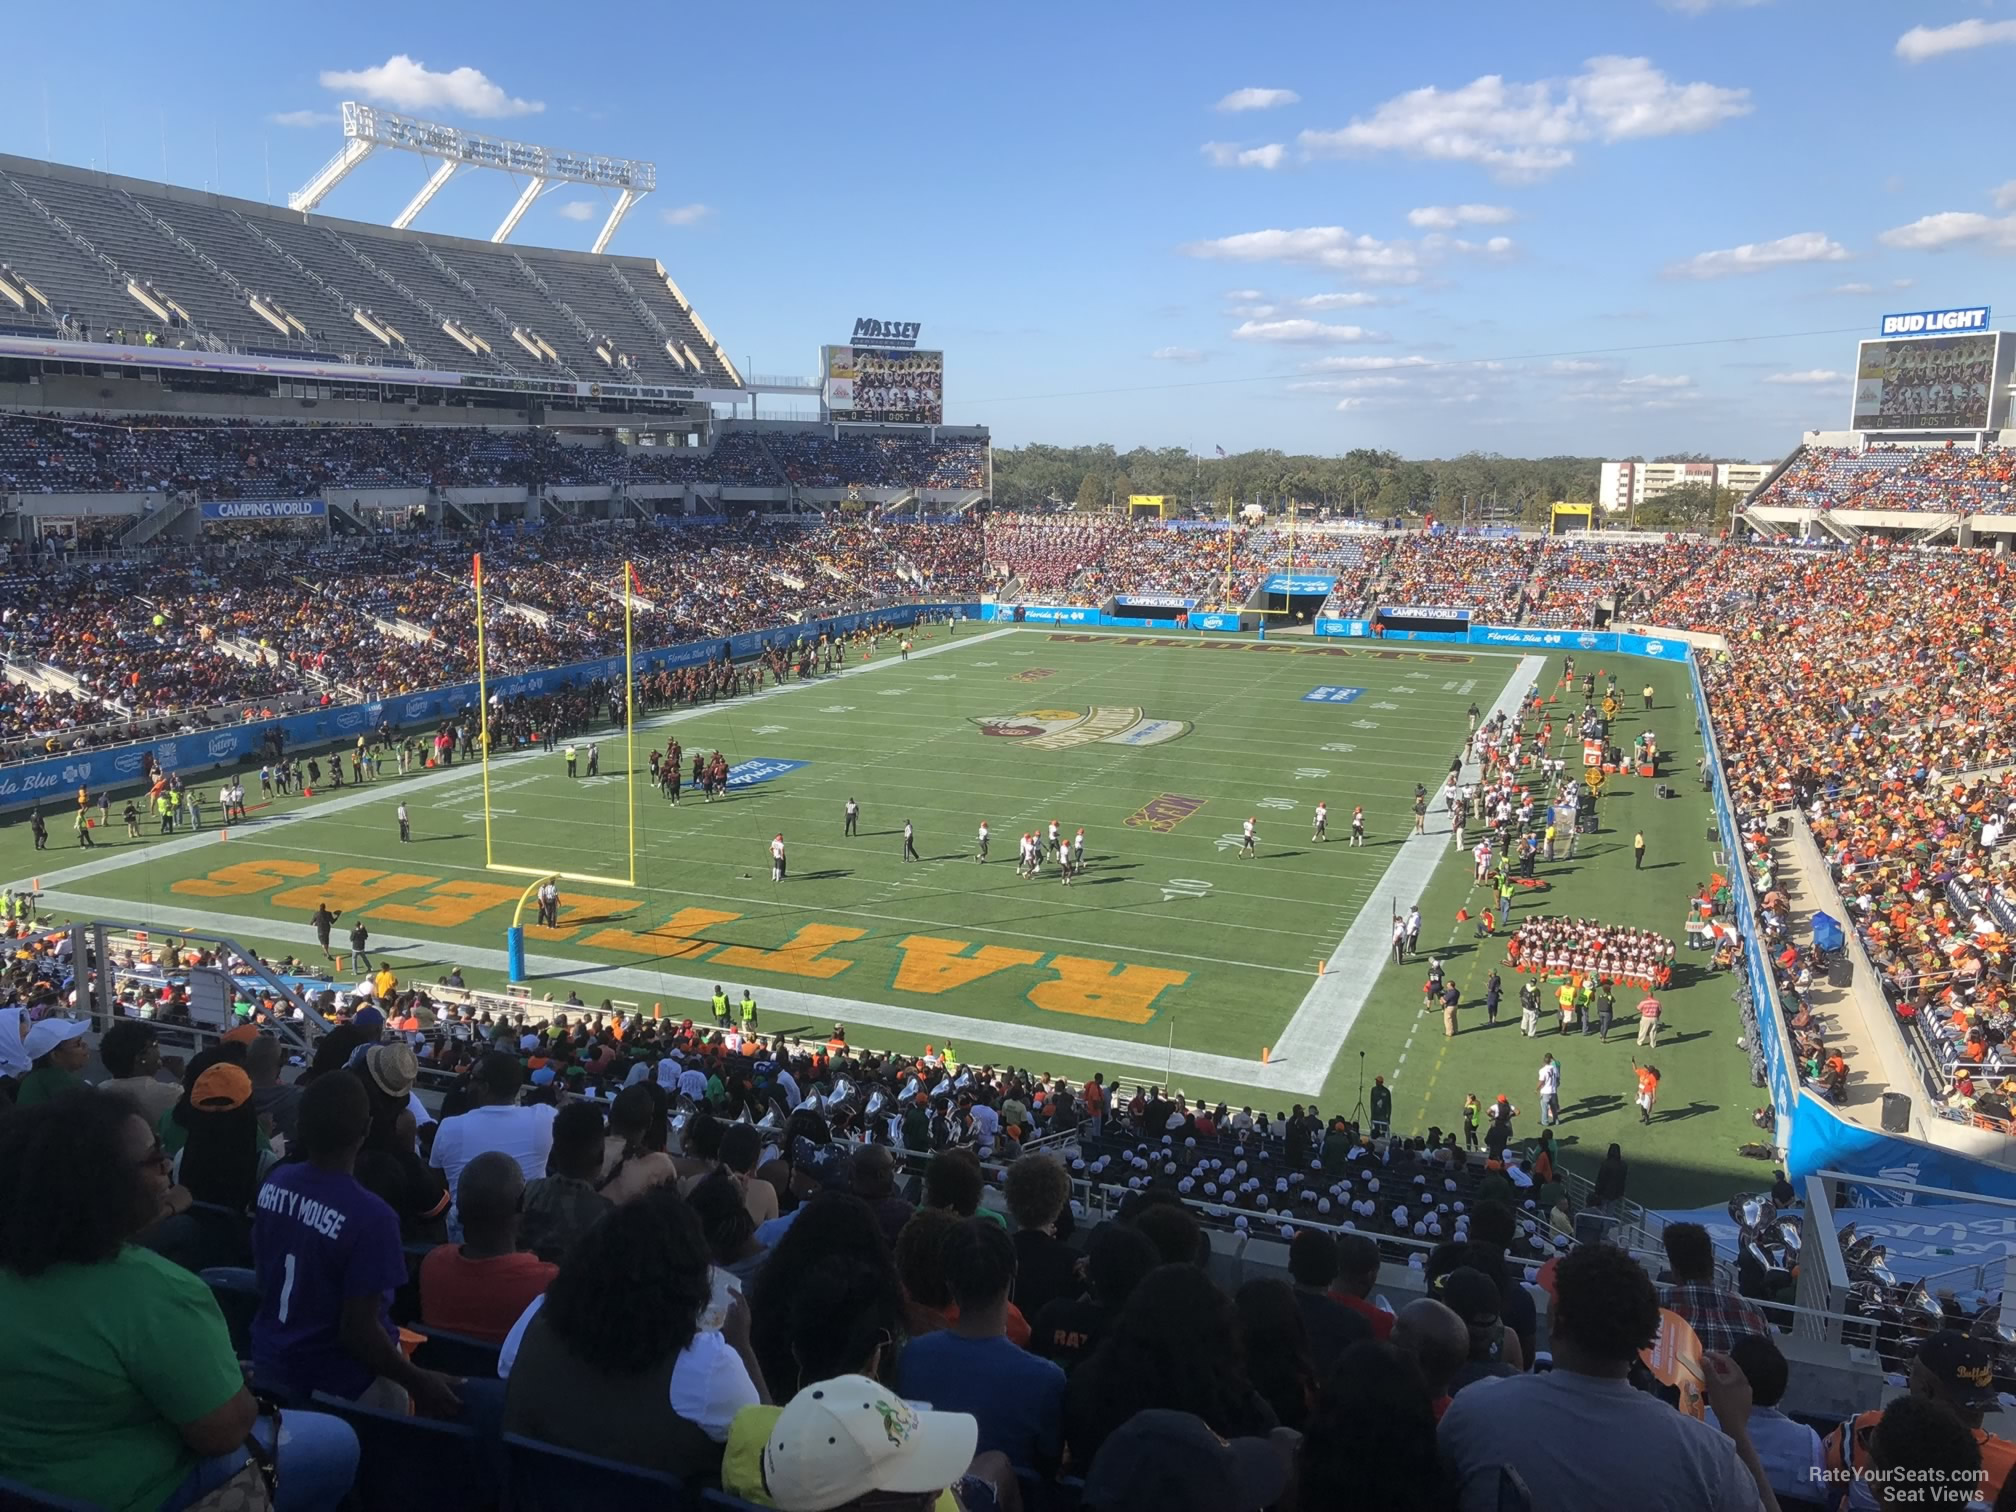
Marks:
<point>455,1354</point>
<point>546,1478</point>
<point>15,1497</point>
<point>412,1464</point>
<point>236,1291</point>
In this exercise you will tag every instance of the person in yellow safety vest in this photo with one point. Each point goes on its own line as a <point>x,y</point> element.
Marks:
<point>748,1010</point>
<point>720,1007</point>
<point>951,1062</point>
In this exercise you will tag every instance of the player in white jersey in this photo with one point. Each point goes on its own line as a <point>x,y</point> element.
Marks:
<point>981,855</point>
<point>1322,830</point>
<point>1358,824</point>
<point>777,859</point>
<point>1249,836</point>
<point>1055,831</point>
<point>1078,850</point>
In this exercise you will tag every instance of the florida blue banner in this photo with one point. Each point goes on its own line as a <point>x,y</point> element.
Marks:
<point>1299,584</point>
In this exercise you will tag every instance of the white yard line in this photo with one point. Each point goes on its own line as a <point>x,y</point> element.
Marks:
<point>1315,1035</point>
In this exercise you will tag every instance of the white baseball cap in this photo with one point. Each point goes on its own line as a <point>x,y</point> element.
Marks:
<point>844,1438</point>
<point>46,1034</point>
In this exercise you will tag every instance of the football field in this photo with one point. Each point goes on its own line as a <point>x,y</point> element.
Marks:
<point>1172,958</point>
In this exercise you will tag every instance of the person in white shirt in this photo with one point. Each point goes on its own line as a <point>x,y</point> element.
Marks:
<point>1249,836</point>
<point>693,1083</point>
<point>496,1122</point>
<point>1078,850</point>
<point>777,859</point>
<point>1054,832</point>
<point>1549,1085</point>
<point>981,855</point>
<point>1322,828</point>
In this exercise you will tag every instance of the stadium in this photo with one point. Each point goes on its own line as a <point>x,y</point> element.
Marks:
<point>473,779</point>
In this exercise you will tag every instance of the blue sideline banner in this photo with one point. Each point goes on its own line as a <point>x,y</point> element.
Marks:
<point>1822,1140</point>
<point>1781,1075</point>
<point>1207,619</point>
<point>264,509</point>
<point>1350,628</point>
<point>56,779</point>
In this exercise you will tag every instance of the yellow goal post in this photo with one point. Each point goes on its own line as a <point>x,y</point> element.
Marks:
<point>483,742</point>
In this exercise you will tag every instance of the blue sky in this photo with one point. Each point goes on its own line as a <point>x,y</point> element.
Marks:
<point>1615,226</point>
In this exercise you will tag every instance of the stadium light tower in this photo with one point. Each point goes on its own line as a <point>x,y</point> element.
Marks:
<point>366,129</point>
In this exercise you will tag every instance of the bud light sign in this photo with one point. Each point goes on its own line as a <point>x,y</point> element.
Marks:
<point>1937,322</point>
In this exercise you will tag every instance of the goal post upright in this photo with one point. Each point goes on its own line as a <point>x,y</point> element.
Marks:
<point>630,711</point>
<point>482,705</point>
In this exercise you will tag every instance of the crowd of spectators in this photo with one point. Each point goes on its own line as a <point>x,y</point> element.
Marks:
<point>626,1266</point>
<point>219,636</point>
<point>239,460</point>
<point>1487,577</point>
<point>1943,480</point>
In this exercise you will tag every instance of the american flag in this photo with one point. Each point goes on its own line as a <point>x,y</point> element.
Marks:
<point>1219,449</point>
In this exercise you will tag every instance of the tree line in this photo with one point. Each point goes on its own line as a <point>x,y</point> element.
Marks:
<point>1366,483</point>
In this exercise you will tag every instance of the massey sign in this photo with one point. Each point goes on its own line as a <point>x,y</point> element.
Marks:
<point>886,333</point>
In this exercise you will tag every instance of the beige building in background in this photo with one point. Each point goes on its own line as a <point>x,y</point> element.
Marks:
<point>1626,485</point>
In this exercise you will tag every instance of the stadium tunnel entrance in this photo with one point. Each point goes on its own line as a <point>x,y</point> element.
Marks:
<point>1417,619</point>
<point>1291,608</point>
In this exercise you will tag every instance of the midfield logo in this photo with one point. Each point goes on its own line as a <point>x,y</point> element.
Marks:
<point>1063,729</point>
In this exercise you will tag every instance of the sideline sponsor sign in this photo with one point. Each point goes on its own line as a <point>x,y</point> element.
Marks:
<point>264,509</point>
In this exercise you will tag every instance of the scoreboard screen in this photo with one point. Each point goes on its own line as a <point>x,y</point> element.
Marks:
<point>1932,383</point>
<point>883,386</point>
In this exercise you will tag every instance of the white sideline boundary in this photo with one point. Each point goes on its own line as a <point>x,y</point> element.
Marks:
<point>1331,1007</point>
<point>1301,1063</point>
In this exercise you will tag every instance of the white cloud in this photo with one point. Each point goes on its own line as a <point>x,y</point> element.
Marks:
<point>1576,367</point>
<point>1368,383</point>
<point>1364,364</point>
<point>1258,99</point>
<point>685,215</point>
<point>1351,301</point>
<point>1177,354</point>
<point>1757,257</point>
<point>1853,288</point>
<point>578,210</point>
<point>1338,250</point>
<point>1521,131</point>
<point>1922,42</point>
<point>1902,283</point>
<point>1244,294</point>
<point>1303,333</point>
<point>407,84</point>
<point>304,118</point>
<point>1810,375</point>
<point>1952,228</point>
<point>1232,155</point>
<point>1253,311</point>
<point>1658,381</point>
<point>1449,217</point>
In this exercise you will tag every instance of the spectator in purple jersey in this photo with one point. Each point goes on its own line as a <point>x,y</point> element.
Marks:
<point>329,1258</point>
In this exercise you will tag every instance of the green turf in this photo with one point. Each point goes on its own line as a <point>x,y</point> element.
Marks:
<point>1171,940</point>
